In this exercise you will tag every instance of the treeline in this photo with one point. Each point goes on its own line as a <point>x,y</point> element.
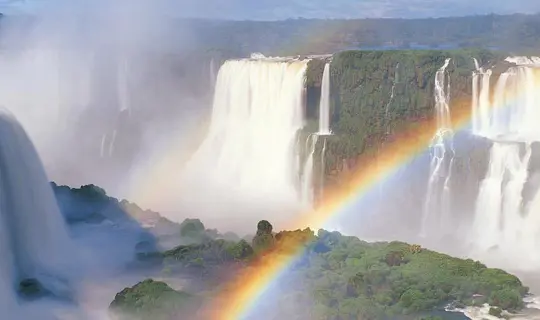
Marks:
<point>515,33</point>
<point>226,39</point>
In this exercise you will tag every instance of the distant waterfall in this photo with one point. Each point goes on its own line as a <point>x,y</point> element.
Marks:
<point>212,73</point>
<point>107,144</point>
<point>391,99</point>
<point>34,241</point>
<point>510,121</point>
<point>123,86</point>
<point>437,203</point>
<point>249,156</point>
<point>324,105</point>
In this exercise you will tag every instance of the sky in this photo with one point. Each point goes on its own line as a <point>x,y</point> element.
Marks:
<point>283,9</point>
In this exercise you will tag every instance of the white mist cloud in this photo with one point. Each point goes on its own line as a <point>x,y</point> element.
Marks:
<point>69,73</point>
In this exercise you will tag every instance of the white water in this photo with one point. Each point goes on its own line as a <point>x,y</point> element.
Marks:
<point>387,108</point>
<point>307,194</point>
<point>524,61</point>
<point>498,221</point>
<point>212,73</point>
<point>104,150</point>
<point>514,112</point>
<point>324,105</point>
<point>480,97</point>
<point>437,203</point>
<point>322,171</point>
<point>34,241</point>
<point>123,78</point>
<point>249,157</point>
<point>502,220</point>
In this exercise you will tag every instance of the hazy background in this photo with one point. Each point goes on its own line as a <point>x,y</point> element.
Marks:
<point>283,9</point>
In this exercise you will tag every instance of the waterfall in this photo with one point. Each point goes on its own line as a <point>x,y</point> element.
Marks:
<point>249,156</point>
<point>111,145</point>
<point>497,218</point>
<point>502,220</point>
<point>322,171</point>
<point>102,146</point>
<point>478,76</point>
<point>212,73</point>
<point>107,151</point>
<point>437,203</point>
<point>123,86</point>
<point>33,238</point>
<point>324,104</point>
<point>387,108</point>
<point>514,113</point>
<point>307,188</point>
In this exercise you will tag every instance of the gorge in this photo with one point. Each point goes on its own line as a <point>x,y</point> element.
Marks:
<point>204,130</point>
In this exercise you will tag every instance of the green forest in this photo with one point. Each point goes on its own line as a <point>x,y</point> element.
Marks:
<point>336,277</point>
<point>375,95</point>
<point>332,276</point>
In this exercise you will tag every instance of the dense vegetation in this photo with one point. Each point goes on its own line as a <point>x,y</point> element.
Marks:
<point>336,277</point>
<point>151,299</point>
<point>375,95</point>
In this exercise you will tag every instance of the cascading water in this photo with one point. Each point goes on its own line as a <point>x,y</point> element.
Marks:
<point>381,184</point>
<point>515,114</point>
<point>322,170</point>
<point>392,91</point>
<point>480,97</point>
<point>499,199</point>
<point>503,220</point>
<point>307,188</point>
<point>324,104</point>
<point>437,203</point>
<point>249,156</point>
<point>33,236</point>
<point>324,127</point>
<point>212,73</point>
<point>123,86</point>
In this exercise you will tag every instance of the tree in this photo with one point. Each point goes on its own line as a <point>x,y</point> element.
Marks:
<point>264,238</point>
<point>192,228</point>
<point>264,227</point>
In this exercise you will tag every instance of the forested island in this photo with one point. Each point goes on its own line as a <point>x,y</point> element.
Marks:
<point>334,276</point>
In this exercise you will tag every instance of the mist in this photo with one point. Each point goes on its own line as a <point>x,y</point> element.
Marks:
<point>103,86</point>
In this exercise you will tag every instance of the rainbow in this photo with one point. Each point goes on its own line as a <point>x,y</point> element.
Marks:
<point>241,295</point>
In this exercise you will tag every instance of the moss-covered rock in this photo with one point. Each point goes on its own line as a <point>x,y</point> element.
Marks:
<point>155,300</point>
<point>31,288</point>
